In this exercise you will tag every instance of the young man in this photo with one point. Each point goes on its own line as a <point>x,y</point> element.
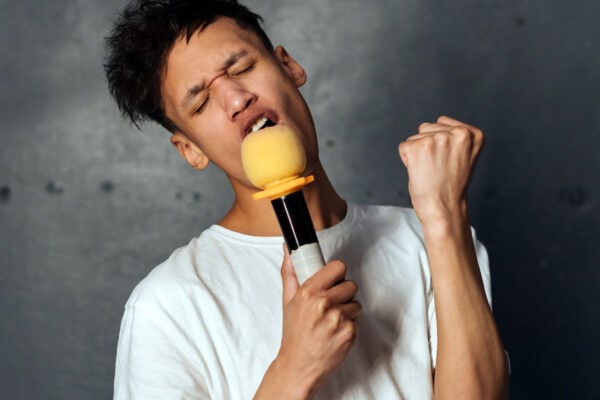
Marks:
<point>399,311</point>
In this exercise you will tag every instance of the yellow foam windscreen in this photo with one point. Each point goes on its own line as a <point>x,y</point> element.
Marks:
<point>272,156</point>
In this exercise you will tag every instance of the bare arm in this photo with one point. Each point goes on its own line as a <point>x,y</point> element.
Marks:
<point>319,330</point>
<point>470,360</point>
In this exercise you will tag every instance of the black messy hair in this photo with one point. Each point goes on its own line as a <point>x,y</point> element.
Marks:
<point>141,39</point>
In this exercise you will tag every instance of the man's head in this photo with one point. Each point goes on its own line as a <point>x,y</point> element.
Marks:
<point>142,38</point>
<point>209,74</point>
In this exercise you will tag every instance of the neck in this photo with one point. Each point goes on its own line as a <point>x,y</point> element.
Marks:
<point>256,217</point>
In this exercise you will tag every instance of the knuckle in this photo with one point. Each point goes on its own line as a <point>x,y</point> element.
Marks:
<point>423,126</point>
<point>335,317</point>
<point>461,132</point>
<point>283,271</point>
<point>441,139</point>
<point>349,331</point>
<point>323,304</point>
<point>406,148</point>
<point>304,293</point>
<point>402,147</point>
<point>425,141</point>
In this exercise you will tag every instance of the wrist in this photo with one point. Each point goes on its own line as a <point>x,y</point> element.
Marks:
<point>281,382</point>
<point>441,222</point>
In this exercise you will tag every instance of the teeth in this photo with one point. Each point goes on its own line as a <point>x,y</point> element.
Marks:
<point>258,124</point>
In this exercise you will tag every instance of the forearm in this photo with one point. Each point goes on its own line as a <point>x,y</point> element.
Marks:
<point>470,358</point>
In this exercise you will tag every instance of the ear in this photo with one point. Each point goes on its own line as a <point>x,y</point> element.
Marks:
<point>189,151</point>
<point>291,66</point>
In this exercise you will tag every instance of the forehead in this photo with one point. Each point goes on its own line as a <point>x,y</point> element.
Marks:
<point>208,48</point>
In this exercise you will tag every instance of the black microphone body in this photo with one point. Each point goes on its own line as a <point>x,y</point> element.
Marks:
<point>299,234</point>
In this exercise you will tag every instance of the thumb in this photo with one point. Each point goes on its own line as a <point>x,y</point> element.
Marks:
<point>288,277</point>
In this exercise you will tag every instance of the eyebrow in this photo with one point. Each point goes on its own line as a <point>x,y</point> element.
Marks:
<point>197,88</point>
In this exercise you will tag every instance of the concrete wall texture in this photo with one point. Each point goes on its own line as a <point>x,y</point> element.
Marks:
<point>88,204</point>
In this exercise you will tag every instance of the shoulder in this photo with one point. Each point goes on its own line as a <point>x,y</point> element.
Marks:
<point>171,277</point>
<point>191,271</point>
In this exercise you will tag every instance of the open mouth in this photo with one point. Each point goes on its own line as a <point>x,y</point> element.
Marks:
<point>261,123</point>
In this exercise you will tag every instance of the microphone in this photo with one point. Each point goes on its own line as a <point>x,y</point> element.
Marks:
<point>273,159</point>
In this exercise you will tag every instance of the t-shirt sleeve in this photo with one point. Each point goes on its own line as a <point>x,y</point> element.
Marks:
<point>484,269</point>
<point>152,360</point>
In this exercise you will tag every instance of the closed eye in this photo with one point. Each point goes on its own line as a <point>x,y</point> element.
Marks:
<point>202,106</point>
<point>243,70</point>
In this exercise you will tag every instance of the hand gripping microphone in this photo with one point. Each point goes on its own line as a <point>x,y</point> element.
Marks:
<point>273,159</point>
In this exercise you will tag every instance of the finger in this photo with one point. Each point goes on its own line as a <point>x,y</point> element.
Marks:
<point>331,273</point>
<point>288,278</point>
<point>454,122</point>
<point>343,292</point>
<point>424,135</point>
<point>443,119</point>
<point>428,127</point>
<point>351,310</point>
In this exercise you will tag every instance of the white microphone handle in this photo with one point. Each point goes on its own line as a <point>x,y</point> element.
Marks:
<point>307,259</point>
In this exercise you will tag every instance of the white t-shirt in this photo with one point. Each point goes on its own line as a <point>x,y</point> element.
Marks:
<point>206,323</point>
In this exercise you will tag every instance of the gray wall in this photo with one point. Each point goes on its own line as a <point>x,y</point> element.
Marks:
<point>88,204</point>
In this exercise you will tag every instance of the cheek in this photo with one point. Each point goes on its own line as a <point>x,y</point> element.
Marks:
<point>207,129</point>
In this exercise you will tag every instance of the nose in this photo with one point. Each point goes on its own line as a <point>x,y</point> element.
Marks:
<point>235,98</point>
